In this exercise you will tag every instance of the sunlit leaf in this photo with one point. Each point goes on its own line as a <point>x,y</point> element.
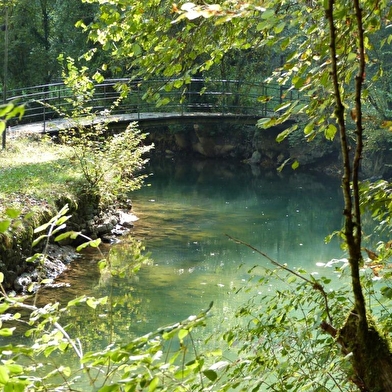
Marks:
<point>308,128</point>
<point>281,167</point>
<point>77,301</point>
<point>95,243</point>
<point>39,239</point>
<point>282,106</point>
<point>5,109</point>
<point>4,375</point>
<point>42,227</point>
<point>4,306</point>
<point>295,165</point>
<point>183,333</point>
<point>330,132</point>
<point>7,331</point>
<point>4,225</point>
<point>12,213</point>
<point>153,384</point>
<point>68,234</point>
<point>283,135</point>
<point>33,258</point>
<point>92,243</point>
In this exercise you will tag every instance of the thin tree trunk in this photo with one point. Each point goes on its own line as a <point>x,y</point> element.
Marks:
<point>371,355</point>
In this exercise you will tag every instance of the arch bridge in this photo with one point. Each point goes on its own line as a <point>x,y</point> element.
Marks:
<point>152,102</point>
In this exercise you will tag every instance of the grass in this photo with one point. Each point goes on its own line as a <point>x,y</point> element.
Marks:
<point>34,170</point>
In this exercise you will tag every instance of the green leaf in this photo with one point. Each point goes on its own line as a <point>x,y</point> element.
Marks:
<point>62,219</point>
<point>92,303</point>
<point>1,277</point>
<point>281,167</point>
<point>7,331</point>
<point>4,375</point>
<point>163,102</point>
<point>136,49</point>
<point>39,239</point>
<point>98,77</point>
<point>92,243</point>
<point>210,374</point>
<point>68,234</point>
<point>4,306</point>
<point>282,136</point>
<point>110,388</point>
<point>14,368</point>
<point>16,386</point>
<point>12,213</point>
<point>265,122</point>
<point>4,225</point>
<point>295,165</point>
<point>330,132</point>
<point>95,243</point>
<point>183,333</point>
<point>77,301</point>
<point>153,384</point>
<point>42,227</point>
<point>59,228</point>
<point>282,106</point>
<point>268,14</point>
<point>308,128</point>
<point>34,257</point>
<point>5,109</point>
<point>279,28</point>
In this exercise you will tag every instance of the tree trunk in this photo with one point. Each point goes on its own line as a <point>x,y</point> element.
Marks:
<point>370,353</point>
<point>371,358</point>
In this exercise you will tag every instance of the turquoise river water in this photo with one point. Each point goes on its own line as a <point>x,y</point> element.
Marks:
<point>185,215</point>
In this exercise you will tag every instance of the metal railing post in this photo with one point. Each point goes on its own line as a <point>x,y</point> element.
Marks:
<point>5,74</point>
<point>44,114</point>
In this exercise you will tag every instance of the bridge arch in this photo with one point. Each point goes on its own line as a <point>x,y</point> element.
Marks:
<point>233,99</point>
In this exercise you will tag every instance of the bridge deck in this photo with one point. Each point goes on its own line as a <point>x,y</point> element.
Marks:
<point>147,119</point>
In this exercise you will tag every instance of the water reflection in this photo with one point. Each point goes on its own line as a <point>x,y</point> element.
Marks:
<point>184,216</point>
<point>189,208</point>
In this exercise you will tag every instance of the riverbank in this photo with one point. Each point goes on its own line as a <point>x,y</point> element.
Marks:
<point>39,178</point>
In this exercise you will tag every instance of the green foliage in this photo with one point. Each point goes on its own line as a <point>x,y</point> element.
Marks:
<point>38,31</point>
<point>8,111</point>
<point>280,344</point>
<point>110,164</point>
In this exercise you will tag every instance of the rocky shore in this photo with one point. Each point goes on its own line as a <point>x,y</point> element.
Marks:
<point>22,275</point>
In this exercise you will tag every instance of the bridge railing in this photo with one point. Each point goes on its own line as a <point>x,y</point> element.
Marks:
<point>46,102</point>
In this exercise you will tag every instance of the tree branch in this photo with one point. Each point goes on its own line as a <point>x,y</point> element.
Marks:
<point>314,283</point>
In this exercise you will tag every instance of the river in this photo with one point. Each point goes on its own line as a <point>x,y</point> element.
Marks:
<point>185,214</point>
